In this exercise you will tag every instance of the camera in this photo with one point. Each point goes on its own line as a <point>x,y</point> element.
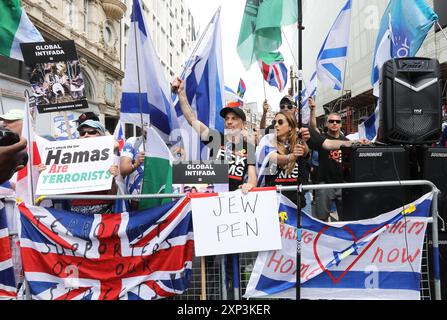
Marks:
<point>8,138</point>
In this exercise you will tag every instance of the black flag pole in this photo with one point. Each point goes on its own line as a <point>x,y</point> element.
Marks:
<point>301,159</point>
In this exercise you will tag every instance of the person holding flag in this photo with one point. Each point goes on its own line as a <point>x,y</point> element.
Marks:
<point>232,147</point>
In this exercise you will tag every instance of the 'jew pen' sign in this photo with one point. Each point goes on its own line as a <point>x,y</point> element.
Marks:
<point>232,222</point>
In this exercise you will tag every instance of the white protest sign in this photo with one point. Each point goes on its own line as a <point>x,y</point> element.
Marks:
<point>234,223</point>
<point>75,166</point>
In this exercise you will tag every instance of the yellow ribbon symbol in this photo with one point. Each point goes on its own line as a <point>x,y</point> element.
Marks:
<point>283,216</point>
<point>411,208</point>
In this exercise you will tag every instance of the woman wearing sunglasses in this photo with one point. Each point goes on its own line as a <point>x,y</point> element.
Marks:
<point>290,145</point>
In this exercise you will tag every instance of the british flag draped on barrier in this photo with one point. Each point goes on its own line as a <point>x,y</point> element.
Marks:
<point>138,255</point>
<point>7,280</point>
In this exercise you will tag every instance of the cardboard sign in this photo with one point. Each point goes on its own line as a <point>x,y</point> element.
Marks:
<point>200,172</point>
<point>60,127</point>
<point>204,177</point>
<point>232,222</point>
<point>75,166</point>
<point>55,75</point>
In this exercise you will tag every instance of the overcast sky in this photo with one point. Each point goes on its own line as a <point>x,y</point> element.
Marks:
<point>231,17</point>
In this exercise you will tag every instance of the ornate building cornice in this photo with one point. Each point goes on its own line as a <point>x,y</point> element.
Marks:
<point>114,9</point>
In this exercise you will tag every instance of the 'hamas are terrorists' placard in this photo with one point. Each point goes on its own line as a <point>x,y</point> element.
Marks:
<point>75,166</point>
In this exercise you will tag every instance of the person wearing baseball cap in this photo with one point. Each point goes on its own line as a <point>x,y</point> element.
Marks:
<point>229,146</point>
<point>13,120</point>
<point>91,128</point>
<point>287,104</point>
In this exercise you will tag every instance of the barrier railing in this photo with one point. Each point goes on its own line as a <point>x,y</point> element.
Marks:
<point>12,220</point>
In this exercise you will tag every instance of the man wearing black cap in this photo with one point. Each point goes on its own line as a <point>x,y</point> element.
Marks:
<point>229,146</point>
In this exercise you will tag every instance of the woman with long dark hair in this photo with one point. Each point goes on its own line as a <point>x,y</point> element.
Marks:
<point>290,145</point>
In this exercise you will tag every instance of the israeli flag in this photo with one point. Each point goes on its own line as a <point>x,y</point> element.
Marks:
<point>333,54</point>
<point>383,53</point>
<point>145,98</point>
<point>204,86</point>
<point>266,148</point>
<point>369,128</point>
<point>310,91</point>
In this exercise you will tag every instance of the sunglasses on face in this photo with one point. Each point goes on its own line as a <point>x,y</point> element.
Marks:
<point>288,106</point>
<point>334,121</point>
<point>90,132</point>
<point>280,122</point>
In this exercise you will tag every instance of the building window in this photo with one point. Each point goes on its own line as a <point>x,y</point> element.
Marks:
<point>13,68</point>
<point>108,34</point>
<point>170,30</point>
<point>86,16</point>
<point>71,13</point>
<point>170,60</point>
<point>109,91</point>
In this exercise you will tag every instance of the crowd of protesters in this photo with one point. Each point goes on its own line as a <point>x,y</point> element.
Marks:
<point>301,155</point>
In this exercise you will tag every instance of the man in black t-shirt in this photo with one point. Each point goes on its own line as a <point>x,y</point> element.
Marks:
<point>229,146</point>
<point>329,170</point>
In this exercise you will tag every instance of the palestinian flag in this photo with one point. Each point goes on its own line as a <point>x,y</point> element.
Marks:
<point>157,176</point>
<point>15,28</point>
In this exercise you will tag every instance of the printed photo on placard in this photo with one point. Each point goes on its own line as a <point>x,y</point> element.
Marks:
<point>202,177</point>
<point>55,76</point>
<point>200,188</point>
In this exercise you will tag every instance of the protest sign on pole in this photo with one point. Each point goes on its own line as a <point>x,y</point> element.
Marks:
<point>75,166</point>
<point>231,222</point>
<point>55,75</point>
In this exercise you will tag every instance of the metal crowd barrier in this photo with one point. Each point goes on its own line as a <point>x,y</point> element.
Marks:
<point>215,276</point>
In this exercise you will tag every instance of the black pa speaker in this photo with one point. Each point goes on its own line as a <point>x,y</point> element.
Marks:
<point>434,169</point>
<point>410,101</point>
<point>368,164</point>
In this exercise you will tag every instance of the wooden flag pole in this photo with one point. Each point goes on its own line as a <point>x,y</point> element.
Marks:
<point>203,267</point>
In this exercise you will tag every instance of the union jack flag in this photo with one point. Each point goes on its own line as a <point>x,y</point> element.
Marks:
<point>7,280</point>
<point>118,134</point>
<point>274,70</point>
<point>141,255</point>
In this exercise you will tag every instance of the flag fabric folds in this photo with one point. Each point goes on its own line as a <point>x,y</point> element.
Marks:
<point>7,279</point>
<point>241,89</point>
<point>157,178</point>
<point>310,91</point>
<point>373,259</point>
<point>370,128</point>
<point>119,136</point>
<point>142,255</point>
<point>15,28</point>
<point>27,177</point>
<point>408,22</point>
<point>261,27</point>
<point>145,97</point>
<point>267,147</point>
<point>204,86</point>
<point>333,54</point>
<point>273,69</point>
<point>232,99</point>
